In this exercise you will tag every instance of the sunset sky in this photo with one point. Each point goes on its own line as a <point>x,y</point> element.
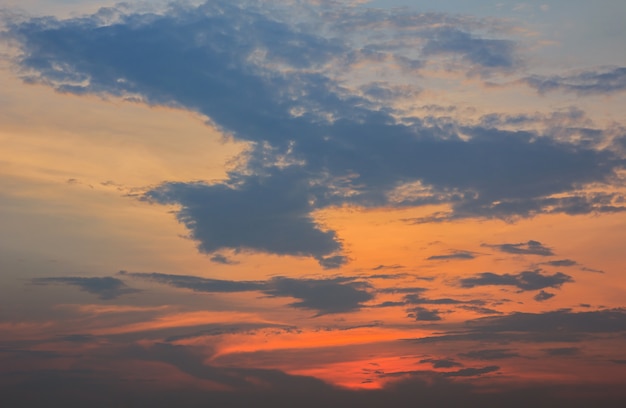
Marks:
<point>313,203</point>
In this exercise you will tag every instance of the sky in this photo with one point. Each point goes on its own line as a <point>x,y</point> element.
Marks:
<point>312,203</point>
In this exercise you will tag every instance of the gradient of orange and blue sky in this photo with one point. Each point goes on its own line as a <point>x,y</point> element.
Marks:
<point>313,203</point>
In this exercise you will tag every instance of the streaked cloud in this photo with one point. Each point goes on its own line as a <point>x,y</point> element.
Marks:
<point>601,81</point>
<point>329,295</point>
<point>461,255</point>
<point>106,288</point>
<point>523,248</point>
<point>490,354</point>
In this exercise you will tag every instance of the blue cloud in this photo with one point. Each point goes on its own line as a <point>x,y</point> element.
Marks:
<point>314,141</point>
<point>601,81</point>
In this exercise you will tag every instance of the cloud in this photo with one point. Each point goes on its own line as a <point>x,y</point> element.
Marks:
<point>331,295</point>
<point>461,255</point>
<point>525,248</point>
<point>543,295</point>
<point>482,52</point>
<point>562,262</point>
<point>601,81</point>
<point>381,267</point>
<point>480,310</point>
<point>490,354</point>
<point>219,258</point>
<point>285,87</point>
<point>562,351</point>
<point>561,326</point>
<point>560,321</point>
<point>471,372</point>
<point>270,214</point>
<point>106,288</point>
<point>198,284</point>
<point>527,280</point>
<point>441,363</point>
<point>336,295</point>
<point>416,299</point>
<point>423,314</point>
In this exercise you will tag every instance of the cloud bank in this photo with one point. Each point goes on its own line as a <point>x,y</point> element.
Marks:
<point>282,79</point>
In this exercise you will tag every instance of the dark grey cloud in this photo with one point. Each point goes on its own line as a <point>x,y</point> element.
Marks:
<point>106,288</point>
<point>441,363</point>
<point>413,301</point>
<point>417,299</point>
<point>315,142</point>
<point>601,81</point>
<point>543,295</point>
<point>455,255</point>
<point>330,295</point>
<point>222,259</point>
<point>336,295</point>
<point>411,290</point>
<point>490,354</point>
<point>425,315</point>
<point>380,267</point>
<point>527,280</point>
<point>471,372</point>
<point>480,309</point>
<point>563,321</point>
<point>562,262</point>
<point>561,326</point>
<point>524,248</point>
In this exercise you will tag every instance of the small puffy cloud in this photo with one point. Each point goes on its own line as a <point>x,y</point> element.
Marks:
<point>106,288</point>
<point>543,295</point>
<point>222,259</point>
<point>423,314</point>
<point>524,281</point>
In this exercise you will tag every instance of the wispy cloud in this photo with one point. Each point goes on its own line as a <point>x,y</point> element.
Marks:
<point>460,255</point>
<point>106,288</point>
<point>524,248</point>
<point>601,81</point>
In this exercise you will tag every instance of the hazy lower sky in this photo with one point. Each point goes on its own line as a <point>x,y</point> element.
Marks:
<point>312,203</point>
